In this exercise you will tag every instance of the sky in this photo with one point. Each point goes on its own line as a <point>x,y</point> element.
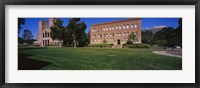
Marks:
<point>33,23</point>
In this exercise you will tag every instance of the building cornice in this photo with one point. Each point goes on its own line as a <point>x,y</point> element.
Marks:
<point>115,22</point>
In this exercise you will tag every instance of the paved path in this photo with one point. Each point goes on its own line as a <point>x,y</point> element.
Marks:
<point>168,53</point>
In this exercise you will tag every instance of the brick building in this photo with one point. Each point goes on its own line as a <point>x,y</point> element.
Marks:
<point>43,36</point>
<point>116,32</point>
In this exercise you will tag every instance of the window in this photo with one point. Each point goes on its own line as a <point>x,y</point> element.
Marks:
<point>132,25</point>
<point>124,33</point>
<point>128,33</point>
<point>110,34</point>
<point>113,34</point>
<point>43,35</point>
<point>116,34</point>
<point>117,27</point>
<point>120,34</point>
<point>113,28</point>
<point>127,26</point>
<point>136,25</point>
<point>110,28</point>
<point>104,29</point>
<point>120,27</point>
<point>124,26</point>
<point>48,34</point>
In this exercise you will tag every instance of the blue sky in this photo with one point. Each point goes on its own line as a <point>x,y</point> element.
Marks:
<point>33,23</point>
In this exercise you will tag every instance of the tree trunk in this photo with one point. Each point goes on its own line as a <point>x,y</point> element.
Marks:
<point>60,43</point>
<point>74,41</point>
<point>53,44</point>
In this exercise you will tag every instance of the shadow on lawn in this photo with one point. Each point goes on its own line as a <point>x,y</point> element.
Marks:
<point>25,63</point>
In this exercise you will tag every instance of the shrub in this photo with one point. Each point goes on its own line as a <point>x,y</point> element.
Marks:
<point>137,46</point>
<point>100,45</point>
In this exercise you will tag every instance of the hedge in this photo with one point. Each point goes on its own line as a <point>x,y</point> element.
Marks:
<point>100,45</point>
<point>137,46</point>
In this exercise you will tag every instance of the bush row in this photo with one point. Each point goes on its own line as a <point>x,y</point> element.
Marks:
<point>137,46</point>
<point>100,45</point>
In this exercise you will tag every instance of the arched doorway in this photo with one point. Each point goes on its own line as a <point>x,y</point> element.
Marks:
<point>118,41</point>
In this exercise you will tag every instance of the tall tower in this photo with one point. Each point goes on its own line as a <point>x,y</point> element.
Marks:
<point>42,26</point>
<point>51,22</point>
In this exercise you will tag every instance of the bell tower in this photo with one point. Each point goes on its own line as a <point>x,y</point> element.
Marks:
<point>51,22</point>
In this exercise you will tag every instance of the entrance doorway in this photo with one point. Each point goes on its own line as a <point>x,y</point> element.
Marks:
<point>118,42</point>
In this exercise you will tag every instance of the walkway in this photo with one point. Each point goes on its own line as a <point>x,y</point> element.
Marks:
<point>169,53</point>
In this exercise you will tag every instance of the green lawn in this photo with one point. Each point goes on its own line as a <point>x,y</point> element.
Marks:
<point>95,59</point>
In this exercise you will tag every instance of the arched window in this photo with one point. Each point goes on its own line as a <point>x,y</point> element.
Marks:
<point>110,28</point>
<point>127,26</point>
<point>120,27</point>
<point>132,25</point>
<point>117,27</point>
<point>120,34</point>
<point>113,28</point>
<point>45,34</point>
<point>124,26</point>
<point>136,25</point>
<point>124,33</point>
<point>128,33</point>
<point>48,34</point>
<point>117,34</point>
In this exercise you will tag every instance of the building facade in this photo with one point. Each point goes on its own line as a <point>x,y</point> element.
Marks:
<point>43,36</point>
<point>116,32</point>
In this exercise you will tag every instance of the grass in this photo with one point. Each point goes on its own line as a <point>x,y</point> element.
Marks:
<point>100,59</point>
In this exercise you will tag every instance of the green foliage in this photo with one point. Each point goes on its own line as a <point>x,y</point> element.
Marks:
<point>21,21</point>
<point>77,30</point>
<point>166,37</point>
<point>27,36</point>
<point>132,38</point>
<point>104,41</point>
<point>72,35</point>
<point>20,40</point>
<point>137,46</point>
<point>147,37</point>
<point>100,45</point>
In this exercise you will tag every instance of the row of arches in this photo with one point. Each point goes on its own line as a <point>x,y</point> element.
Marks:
<point>46,34</point>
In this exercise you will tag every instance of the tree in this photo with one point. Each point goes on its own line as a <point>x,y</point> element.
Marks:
<point>27,36</point>
<point>132,38</point>
<point>166,37</point>
<point>77,30</point>
<point>57,31</point>
<point>88,38</point>
<point>147,37</point>
<point>21,21</point>
<point>53,33</point>
<point>178,32</point>
<point>104,41</point>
